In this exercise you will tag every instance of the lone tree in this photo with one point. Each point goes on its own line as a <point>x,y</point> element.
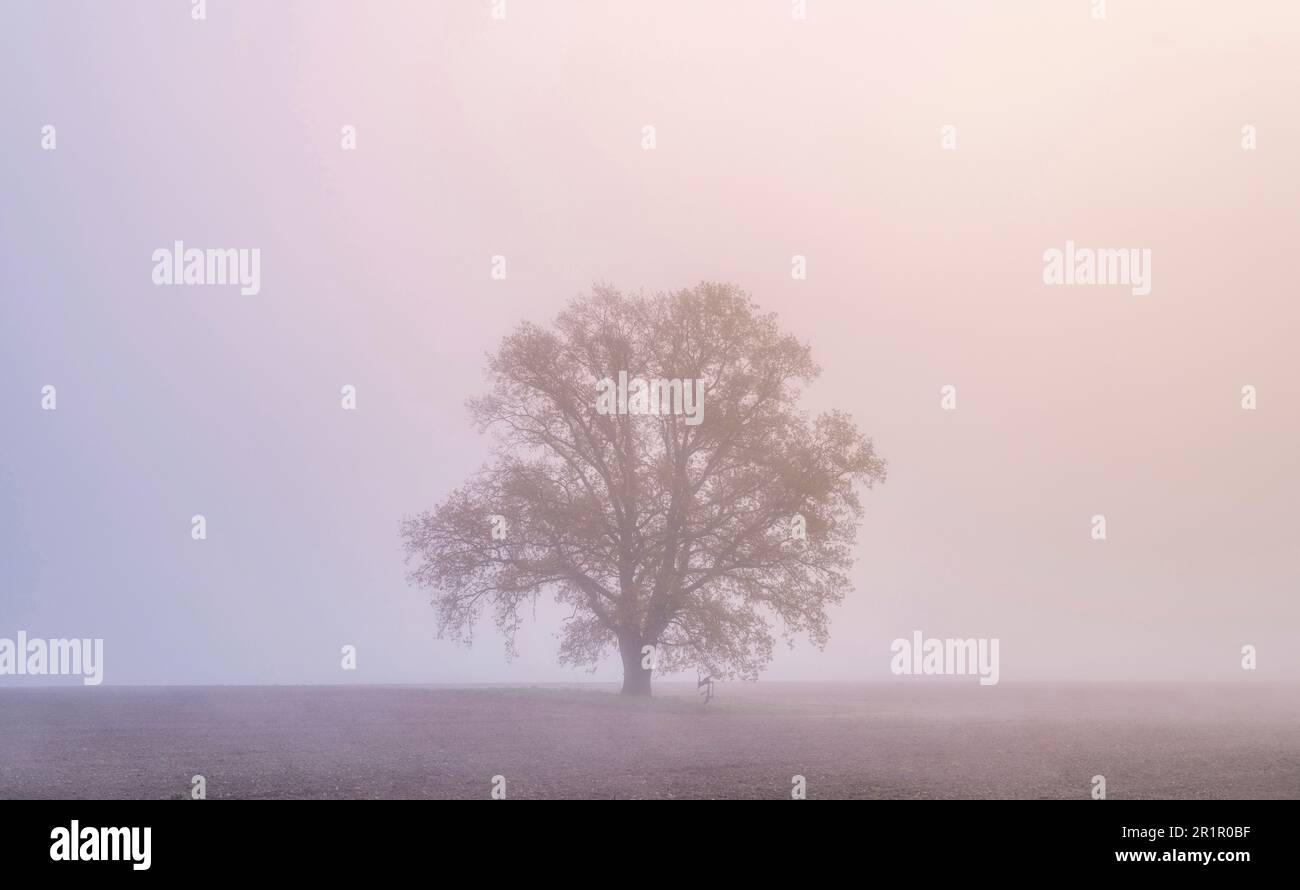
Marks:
<point>660,525</point>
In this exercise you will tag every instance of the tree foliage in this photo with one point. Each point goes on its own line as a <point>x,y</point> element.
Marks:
<point>651,530</point>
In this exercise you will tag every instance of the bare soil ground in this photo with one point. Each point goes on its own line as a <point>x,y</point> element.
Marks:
<point>902,740</point>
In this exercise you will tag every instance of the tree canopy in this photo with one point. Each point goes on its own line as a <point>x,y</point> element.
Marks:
<point>702,537</point>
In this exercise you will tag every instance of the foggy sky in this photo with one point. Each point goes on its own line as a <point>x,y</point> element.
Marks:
<point>774,137</point>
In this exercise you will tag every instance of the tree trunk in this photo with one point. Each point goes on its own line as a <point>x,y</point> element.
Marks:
<point>636,679</point>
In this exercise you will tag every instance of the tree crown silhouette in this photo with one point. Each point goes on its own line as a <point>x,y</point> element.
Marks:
<point>702,539</point>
